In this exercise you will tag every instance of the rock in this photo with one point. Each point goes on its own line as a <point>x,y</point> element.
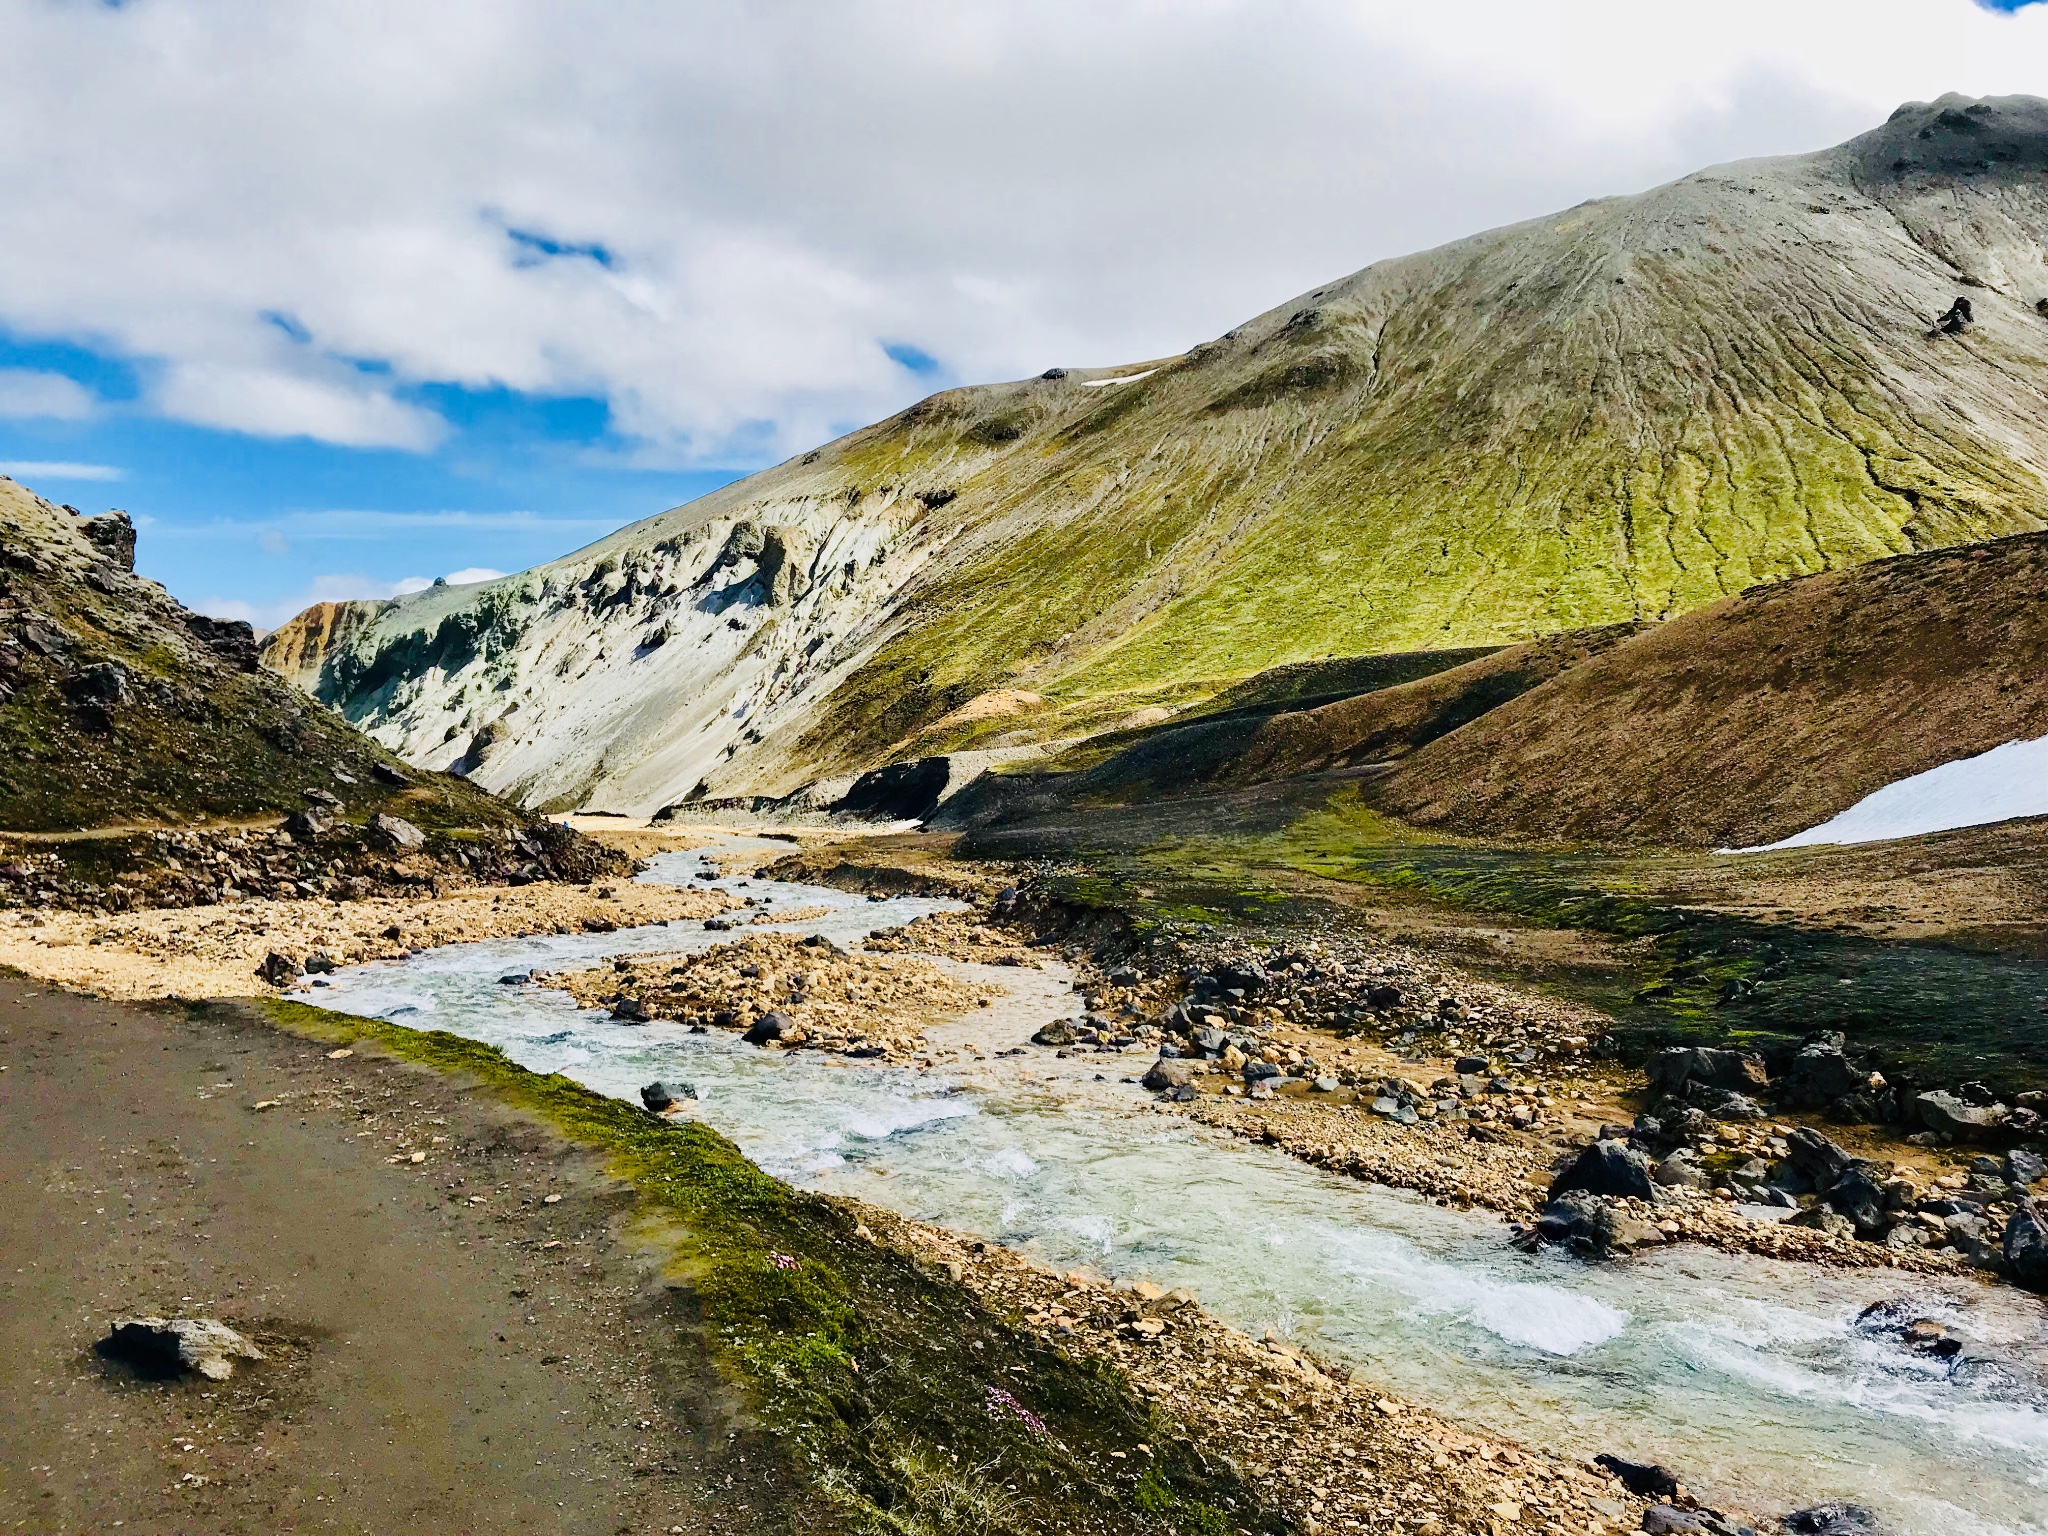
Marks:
<point>314,821</point>
<point>278,970</point>
<point>772,1026</point>
<point>1325,1085</point>
<point>1674,1067</point>
<point>163,1347</point>
<point>2025,1248</point>
<point>660,1096</point>
<point>1667,1519</point>
<point>1607,1168</point>
<point>321,797</point>
<point>1166,1074</point>
<point>629,1010</point>
<point>1821,1160</point>
<point>1821,1219</point>
<point>1679,1171</point>
<point>1859,1195</point>
<point>1954,321</point>
<point>1210,1042</point>
<point>395,833</point>
<point>384,773</point>
<point>318,964</point>
<point>1452,1010</point>
<point>1820,1074</point>
<point>1834,1519</point>
<point>1646,1480</point>
<point>1949,1115</point>
<point>1381,996</point>
<point>1472,1064</point>
<point>104,683</point>
<point>2023,1168</point>
<point>113,534</point>
<point>1259,1071</point>
<point>1754,1211</point>
<point>1591,1227</point>
<point>515,979</point>
<point>1058,1032</point>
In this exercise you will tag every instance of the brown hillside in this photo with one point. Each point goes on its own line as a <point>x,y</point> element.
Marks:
<point>1761,715</point>
<point>1392,722</point>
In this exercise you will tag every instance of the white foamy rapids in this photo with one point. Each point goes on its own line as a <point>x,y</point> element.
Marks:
<point>1747,1375</point>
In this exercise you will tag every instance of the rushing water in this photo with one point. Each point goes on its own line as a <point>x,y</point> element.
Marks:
<point>1745,1374</point>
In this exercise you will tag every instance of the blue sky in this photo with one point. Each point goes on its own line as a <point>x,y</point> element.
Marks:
<point>333,297</point>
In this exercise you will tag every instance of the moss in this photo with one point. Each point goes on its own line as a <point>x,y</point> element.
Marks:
<point>872,1373</point>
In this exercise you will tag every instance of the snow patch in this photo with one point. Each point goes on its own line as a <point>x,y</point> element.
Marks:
<point>2000,785</point>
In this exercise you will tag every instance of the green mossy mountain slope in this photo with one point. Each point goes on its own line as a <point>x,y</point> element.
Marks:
<point>1611,415</point>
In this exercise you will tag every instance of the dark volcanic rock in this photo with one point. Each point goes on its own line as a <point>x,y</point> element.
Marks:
<point>1607,1168</point>
<point>1642,1478</point>
<point>2026,1245</point>
<point>772,1026</point>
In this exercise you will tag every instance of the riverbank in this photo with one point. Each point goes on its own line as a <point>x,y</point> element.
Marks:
<point>460,1330</point>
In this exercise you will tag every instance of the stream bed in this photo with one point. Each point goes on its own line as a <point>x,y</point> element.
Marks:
<point>1748,1376</point>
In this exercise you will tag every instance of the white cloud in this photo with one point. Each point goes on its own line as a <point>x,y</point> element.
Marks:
<point>25,392</point>
<point>260,199</point>
<point>29,470</point>
<point>324,589</point>
<point>471,575</point>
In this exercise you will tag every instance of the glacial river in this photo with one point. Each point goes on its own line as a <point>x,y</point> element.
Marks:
<point>1745,1375</point>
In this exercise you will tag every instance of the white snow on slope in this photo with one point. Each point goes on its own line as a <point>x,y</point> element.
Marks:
<point>1999,785</point>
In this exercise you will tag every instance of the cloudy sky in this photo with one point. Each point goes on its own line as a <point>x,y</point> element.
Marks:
<point>334,295</point>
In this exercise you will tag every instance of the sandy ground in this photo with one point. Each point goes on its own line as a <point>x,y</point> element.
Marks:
<point>448,1351</point>
<point>214,951</point>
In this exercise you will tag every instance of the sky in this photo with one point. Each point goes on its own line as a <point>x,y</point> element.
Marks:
<point>339,296</point>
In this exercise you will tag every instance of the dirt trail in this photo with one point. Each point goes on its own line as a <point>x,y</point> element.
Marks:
<point>448,1350</point>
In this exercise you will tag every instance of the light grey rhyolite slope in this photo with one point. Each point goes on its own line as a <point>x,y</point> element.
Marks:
<point>1616,413</point>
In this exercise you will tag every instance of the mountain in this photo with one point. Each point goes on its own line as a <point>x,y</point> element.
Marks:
<point>119,707</point>
<point>1612,415</point>
<point>1736,724</point>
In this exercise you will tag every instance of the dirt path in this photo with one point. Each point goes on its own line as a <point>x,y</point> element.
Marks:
<point>449,1351</point>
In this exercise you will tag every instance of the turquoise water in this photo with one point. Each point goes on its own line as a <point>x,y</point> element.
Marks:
<point>1746,1375</point>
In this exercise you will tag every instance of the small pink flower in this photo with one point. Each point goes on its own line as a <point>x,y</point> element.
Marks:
<point>1001,1404</point>
<point>785,1261</point>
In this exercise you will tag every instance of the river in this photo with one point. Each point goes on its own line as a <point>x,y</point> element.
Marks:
<point>1746,1375</point>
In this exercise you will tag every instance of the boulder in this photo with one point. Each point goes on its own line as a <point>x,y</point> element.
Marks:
<point>1166,1073</point>
<point>1943,1112</point>
<point>1859,1195</point>
<point>1673,1068</point>
<point>629,1010</point>
<point>113,534</point>
<point>2025,1248</point>
<point>1591,1227</point>
<point>1381,996</point>
<point>1669,1519</point>
<point>1058,1032</point>
<point>1834,1519</point>
<point>1607,1168</point>
<point>1646,1480</point>
<point>1210,1042</point>
<point>278,970</point>
<point>318,964</point>
<point>1821,1074</point>
<point>1259,1071</point>
<point>2023,1167</point>
<point>1471,1064</point>
<point>663,1096</point>
<point>1679,1170</point>
<point>164,1347</point>
<point>314,821</point>
<point>771,1026</point>
<point>1820,1159</point>
<point>395,833</point>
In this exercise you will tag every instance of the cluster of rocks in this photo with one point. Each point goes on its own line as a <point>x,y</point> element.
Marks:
<point>1822,1075</point>
<point>1796,1175</point>
<point>780,990</point>
<point>314,853</point>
